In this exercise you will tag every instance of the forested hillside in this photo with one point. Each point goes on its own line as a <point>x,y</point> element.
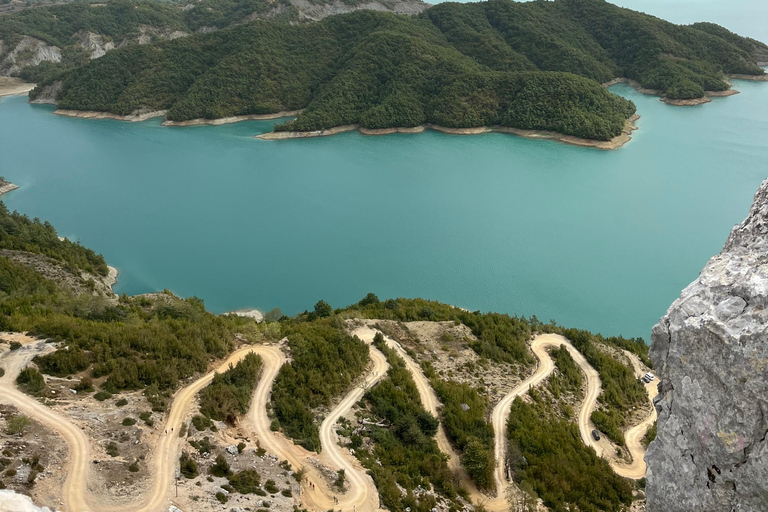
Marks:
<point>72,34</point>
<point>533,65</point>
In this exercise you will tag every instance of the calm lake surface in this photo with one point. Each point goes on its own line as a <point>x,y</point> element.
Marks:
<point>600,240</point>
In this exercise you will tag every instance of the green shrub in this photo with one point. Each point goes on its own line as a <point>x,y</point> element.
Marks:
<point>221,497</point>
<point>133,467</point>
<point>102,395</point>
<point>271,487</point>
<point>15,345</point>
<point>129,422</point>
<point>201,422</point>
<point>187,466</point>
<point>650,435</point>
<point>221,467</point>
<point>121,402</point>
<point>112,450</point>
<point>17,424</point>
<point>545,452</point>
<point>245,481</point>
<point>31,381</point>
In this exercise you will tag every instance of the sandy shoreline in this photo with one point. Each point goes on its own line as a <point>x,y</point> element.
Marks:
<point>615,143</point>
<point>753,78</point>
<point>91,114</point>
<point>11,86</point>
<point>232,119</point>
<point>7,187</point>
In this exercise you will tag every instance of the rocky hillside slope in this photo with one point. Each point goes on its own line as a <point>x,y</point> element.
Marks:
<point>68,36</point>
<point>711,351</point>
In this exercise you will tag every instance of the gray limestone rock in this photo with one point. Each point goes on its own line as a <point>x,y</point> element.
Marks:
<point>711,353</point>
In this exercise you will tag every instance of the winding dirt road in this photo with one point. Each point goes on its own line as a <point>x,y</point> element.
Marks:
<point>634,436</point>
<point>362,495</point>
<point>165,455</point>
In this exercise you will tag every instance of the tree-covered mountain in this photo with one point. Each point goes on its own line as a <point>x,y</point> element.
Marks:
<point>43,42</point>
<point>534,65</point>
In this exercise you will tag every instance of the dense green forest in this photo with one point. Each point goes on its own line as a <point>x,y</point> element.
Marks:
<point>546,453</point>
<point>404,453</point>
<point>325,360</point>
<point>533,65</point>
<point>229,393</point>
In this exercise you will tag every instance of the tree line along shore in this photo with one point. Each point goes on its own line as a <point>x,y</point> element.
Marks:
<point>531,66</point>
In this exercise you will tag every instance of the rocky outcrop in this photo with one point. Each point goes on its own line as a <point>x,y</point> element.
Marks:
<point>308,10</point>
<point>29,51</point>
<point>47,95</point>
<point>97,44</point>
<point>711,352</point>
<point>149,34</point>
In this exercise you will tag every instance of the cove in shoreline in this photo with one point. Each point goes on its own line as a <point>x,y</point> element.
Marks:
<point>614,143</point>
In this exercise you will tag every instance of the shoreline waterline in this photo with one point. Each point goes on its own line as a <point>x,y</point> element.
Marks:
<point>7,187</point>
<point>12,86</point>
<point>615,143</point>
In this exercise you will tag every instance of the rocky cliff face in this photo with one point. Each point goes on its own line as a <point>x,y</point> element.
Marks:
<point>29,51</point>
<point>711,352</point>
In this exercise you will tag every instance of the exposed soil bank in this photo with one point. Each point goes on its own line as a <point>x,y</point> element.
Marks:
<point>10,86</point>
<point>90,114</point>
<point>754,78</point>
<point>232,119</point>
<point>616,142</point>
<point>7,187</point>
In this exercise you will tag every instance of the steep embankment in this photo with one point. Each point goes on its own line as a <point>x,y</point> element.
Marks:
<point>710,349</point>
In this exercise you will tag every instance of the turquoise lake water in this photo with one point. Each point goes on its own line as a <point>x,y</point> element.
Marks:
<point>600,240</point>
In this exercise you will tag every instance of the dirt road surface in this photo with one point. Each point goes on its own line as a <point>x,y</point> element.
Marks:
<point>362,495</point>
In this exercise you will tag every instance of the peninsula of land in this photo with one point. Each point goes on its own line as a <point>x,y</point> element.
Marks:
<point>454,67</point>
<point>615,143</point>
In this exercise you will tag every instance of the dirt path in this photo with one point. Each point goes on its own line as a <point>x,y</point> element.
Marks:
<point>76,497</point>
<point>634,436</point>
<point>362,495</point>
<point>428,399</point>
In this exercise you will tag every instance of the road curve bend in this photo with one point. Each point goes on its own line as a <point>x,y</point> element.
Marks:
<point>75,495</point>
<point>362,495</point>
<point>634,436</point>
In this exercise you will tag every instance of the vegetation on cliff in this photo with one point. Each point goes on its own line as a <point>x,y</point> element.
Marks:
<point>229,393</point>
<point>404,452</point>
<point>546,453</point>
<point>325,360</point>
<point>20,233</point>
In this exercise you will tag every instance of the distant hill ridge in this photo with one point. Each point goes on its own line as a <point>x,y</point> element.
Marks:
<point>535,65</point>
